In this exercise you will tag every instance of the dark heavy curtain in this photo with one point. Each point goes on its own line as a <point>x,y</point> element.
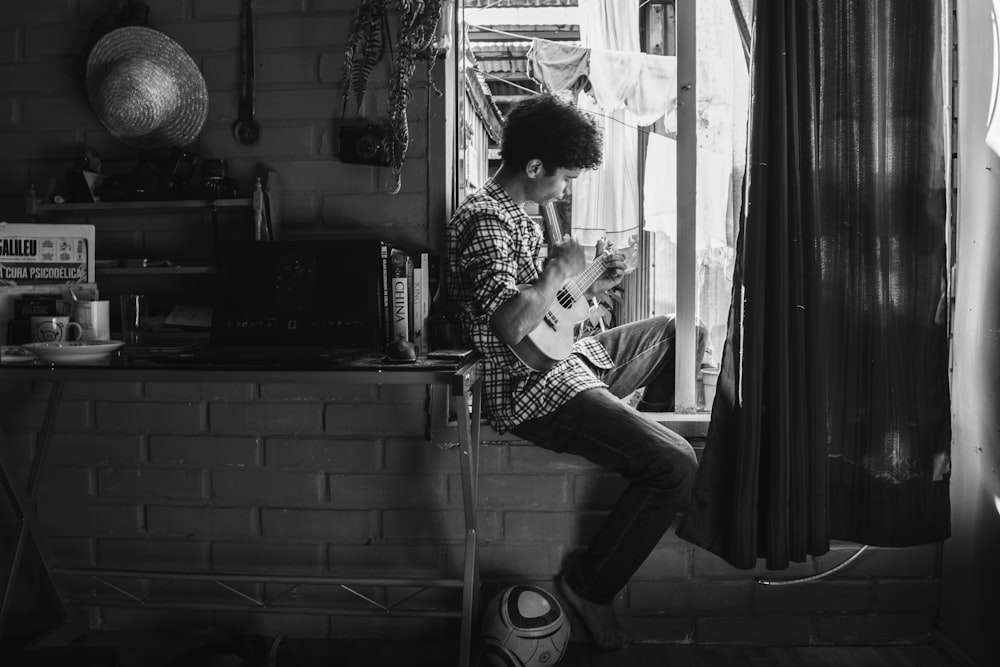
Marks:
<point>832,417</point>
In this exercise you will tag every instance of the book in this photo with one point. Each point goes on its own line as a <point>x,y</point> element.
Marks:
<point>399,293</point>
<point>421,302</point>
<point>385,280</point>
<point>409,297</point>
<point>450,354</point>
<point>46,254</point>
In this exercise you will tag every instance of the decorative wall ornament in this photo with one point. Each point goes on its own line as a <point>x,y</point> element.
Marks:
<point>369,41</point>
<point>145,88</point>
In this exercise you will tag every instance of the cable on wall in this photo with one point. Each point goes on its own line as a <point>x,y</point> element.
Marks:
<point>788,582</point>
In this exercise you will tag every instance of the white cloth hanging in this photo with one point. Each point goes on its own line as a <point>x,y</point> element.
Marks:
<point>558,66</point>
<point>614,76</point>
<point>609,24</point>
<point>714,177</point>
<point>606,199</point>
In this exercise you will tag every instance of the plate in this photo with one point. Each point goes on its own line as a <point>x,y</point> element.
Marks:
<point>76,352</point>
<point>389,360</point>
<point>15,354</point>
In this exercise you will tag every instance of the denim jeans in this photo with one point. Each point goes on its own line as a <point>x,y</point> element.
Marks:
<point>659,464</point>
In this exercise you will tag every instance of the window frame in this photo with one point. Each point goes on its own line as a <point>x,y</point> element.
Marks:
<point>686,418</point>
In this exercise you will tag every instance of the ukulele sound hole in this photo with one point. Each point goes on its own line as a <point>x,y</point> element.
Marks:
<point>565,299</point>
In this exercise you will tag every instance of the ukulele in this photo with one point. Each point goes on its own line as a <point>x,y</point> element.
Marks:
<point>552,340</point>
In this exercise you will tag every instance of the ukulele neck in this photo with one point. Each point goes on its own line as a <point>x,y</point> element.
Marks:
<point>551,218</point>
<point>581,283</point>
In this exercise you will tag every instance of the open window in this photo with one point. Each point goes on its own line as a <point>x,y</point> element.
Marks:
<point>671,183</point>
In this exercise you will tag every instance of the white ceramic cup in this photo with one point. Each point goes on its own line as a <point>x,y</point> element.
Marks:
<point>54,329</point>
<point>94,318</point>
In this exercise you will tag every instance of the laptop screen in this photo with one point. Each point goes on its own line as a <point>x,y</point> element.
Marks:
<point>317,293</point>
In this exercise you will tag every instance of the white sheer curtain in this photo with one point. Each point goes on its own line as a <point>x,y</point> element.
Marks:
<point>606,200</point>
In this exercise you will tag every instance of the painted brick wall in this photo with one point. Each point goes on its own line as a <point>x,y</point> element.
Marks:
<point>45,114</point>
<point>292,479</point>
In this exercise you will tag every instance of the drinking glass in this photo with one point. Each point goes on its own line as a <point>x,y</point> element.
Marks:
<point>133,309</point>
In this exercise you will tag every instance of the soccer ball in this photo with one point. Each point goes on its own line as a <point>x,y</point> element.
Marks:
<point>524,626</point>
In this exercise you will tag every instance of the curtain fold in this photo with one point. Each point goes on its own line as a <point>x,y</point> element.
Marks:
<point>832,417</point>
<point>742,9</point>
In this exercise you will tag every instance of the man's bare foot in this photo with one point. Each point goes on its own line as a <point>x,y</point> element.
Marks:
<point>600,620</point>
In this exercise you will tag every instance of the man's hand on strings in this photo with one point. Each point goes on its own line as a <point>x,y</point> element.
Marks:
<point>569,257</point>
<point>615,269</point>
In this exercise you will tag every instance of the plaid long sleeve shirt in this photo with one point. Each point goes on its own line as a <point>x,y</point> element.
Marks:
<point>493,246</point>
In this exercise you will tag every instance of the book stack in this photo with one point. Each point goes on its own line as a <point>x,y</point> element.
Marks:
<point>406,295</point>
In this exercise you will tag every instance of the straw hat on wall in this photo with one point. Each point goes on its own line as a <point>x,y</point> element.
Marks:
<point>146,89</point>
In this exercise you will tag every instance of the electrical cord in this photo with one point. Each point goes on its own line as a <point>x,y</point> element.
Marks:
<point>788,582</point>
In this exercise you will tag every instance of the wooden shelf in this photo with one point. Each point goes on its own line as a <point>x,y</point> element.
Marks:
<point>111,271</point>
<point>84,210</point>
<point>265,189</point>
<point>139,216</point>
<point>110,208</point>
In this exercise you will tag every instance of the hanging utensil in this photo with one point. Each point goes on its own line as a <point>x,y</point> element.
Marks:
<point>246,130</point>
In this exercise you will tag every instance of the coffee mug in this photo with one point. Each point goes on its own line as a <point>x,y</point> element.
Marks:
<point>95,319</point>
<point>54,329</point>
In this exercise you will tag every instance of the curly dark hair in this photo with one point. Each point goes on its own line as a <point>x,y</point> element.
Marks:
<point>553,131</point>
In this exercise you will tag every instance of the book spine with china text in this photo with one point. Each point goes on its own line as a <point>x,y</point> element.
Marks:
<point>399,297</point>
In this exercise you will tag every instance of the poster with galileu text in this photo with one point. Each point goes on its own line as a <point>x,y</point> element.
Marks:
<point>46,254</point>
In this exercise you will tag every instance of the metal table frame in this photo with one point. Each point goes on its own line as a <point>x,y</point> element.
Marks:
<point>465,391</point>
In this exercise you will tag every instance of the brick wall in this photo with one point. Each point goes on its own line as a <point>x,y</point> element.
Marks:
<point>291,479</point>
<point>45,114</point>
<point>294,479</point>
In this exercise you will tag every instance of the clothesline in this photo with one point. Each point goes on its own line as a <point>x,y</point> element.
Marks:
<point>492,4</point>
<point>497,2</point>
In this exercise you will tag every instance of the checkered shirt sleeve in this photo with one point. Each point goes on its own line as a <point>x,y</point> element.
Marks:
<point>493,246</point>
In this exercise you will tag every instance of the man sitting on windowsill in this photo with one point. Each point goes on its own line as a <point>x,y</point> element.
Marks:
<point>514,311</point>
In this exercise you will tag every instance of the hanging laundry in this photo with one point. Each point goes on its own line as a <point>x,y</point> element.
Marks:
<point>714,179</point>
<point>656,92</point>
<point>627,89</point>
<point>644,84</point>
<point>559,66</point>
<point>614,76</point>
<point>606,199</point>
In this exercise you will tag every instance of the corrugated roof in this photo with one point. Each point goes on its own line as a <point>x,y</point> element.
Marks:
<point>500,33</point>
<point>521,3</point>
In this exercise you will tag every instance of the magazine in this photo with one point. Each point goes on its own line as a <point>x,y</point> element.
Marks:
<point>41,254</point>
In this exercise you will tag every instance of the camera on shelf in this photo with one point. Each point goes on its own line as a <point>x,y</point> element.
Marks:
<point>364,144</point>
<point>215,181</point>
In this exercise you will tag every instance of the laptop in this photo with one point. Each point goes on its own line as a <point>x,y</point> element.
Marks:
<point>296,303</point>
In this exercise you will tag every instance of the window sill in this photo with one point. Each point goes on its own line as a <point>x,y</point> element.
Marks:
<point>684,425</point>
<point>442,425</point>
<point>694,425</point>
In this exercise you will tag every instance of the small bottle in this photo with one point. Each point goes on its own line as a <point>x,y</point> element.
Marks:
<point>261,232</point>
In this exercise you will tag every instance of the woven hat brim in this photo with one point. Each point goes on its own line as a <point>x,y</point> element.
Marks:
<point>190,109</point>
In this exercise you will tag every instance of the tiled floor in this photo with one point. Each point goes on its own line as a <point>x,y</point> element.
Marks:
<point>139,651</point>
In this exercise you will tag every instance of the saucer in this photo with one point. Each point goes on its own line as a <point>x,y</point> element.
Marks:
<point>75,352</point>
<point>15,354</point>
